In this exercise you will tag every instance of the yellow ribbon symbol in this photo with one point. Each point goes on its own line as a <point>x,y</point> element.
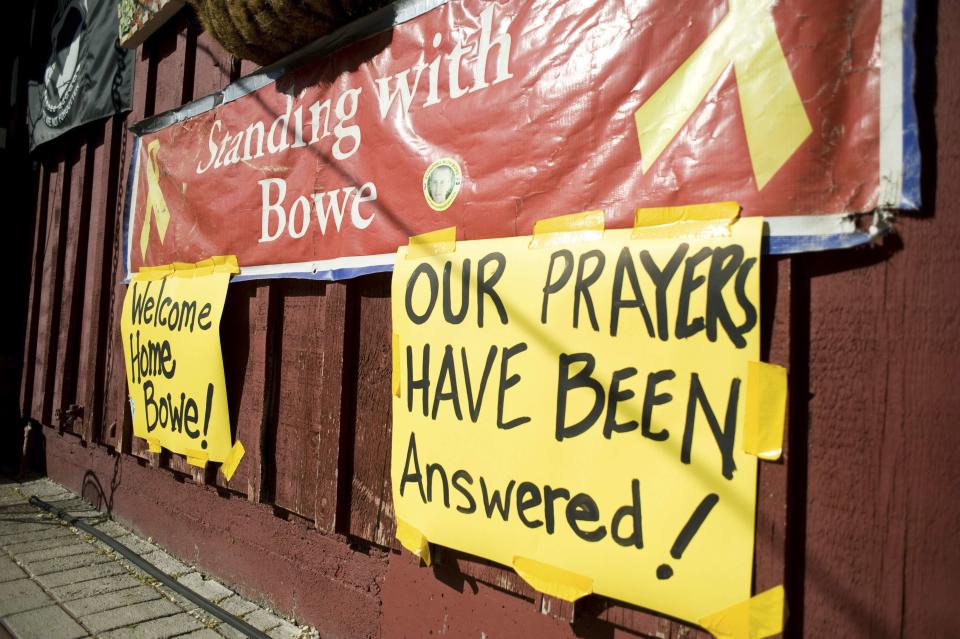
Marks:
<point>156,205</point>
<point>773,114</point>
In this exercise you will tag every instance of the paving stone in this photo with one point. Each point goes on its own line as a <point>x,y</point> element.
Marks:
<point>111,600</point>
<point>44,623</point>
<point>204,633</point>
<point>237,605</point>
<point>285,630</point>
<point>113,529</point>
<point>172,626</point>
<point>22,528</point>
<point>99,622</point>
<point>229,632</point>
<point>94,587</point>
<point>54,579</point>
<point>9,570</point>
<point>31,545</point>
<point>38,534</point>
<point>262,619</point>
<point>59,564</point>
<point>167,563</point>
<point>208,588</point>
<point>67,548</point>
<point>22,594</point>
<point>137,545</point>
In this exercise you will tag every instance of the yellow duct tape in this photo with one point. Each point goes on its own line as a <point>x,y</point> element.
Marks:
<point>766,409</point>
<point>758,617</point>
<point>564,229</point>
<point>414,541</point>
<point>153,445</point>
<point>229,465</point>
<point>696,220</point>
<point>432,243</point>
<point>197,458</point>
<point>551,580</point>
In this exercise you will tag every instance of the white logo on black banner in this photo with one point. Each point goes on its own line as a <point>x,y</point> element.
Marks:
<point>65,68</point>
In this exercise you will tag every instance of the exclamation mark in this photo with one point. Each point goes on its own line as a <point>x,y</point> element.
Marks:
<point>206,416</point>
<point>664,571</point>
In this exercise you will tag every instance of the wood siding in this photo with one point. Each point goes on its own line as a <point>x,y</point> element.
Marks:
<point>855,520</point>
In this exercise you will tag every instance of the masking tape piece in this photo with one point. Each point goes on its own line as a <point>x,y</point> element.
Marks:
<point>565,229</point>
<point>714,211</point>
<point>696,220</point>
<point>395,369</point>
<point>433,243</point>
<point>766,408</point>
<point>414,541</point>
<point>229,465</point>
<point>217,264</point>
<point>758,617</point>
<point>197,458</point>
<point>153,445</point>
<point>551,580</point>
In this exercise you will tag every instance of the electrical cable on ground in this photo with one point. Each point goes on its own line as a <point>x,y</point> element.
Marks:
<point>153,571</point>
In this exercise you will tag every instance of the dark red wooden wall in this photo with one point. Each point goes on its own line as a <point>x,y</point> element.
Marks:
<point>858,519</point>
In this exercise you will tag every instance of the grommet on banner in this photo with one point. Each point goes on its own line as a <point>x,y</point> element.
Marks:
<point>758,617</point>
<point>395,368</point>
<point>551,580</point>
<point>433,243</point>
<point>695,220</point>
<point>565,229</point>
<point>766,409</point>
<point>229,465</point>
<point>414,541</point>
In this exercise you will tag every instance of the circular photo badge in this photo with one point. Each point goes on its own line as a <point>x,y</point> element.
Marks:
<point>441,183</point>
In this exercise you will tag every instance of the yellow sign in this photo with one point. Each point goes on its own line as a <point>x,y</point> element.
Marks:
<point>573,405</point>
<point>171,342</point>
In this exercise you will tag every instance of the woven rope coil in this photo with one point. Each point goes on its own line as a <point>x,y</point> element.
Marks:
<point>266,30</point>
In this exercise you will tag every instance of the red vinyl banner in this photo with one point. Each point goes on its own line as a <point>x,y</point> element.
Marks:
<point>489,116</point>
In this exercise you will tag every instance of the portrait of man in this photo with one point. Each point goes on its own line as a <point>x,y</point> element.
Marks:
<point>441,183</point>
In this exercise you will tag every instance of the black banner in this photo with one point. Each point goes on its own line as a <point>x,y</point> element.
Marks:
<point>80,74</point>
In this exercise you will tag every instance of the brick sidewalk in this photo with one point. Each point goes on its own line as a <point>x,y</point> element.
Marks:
<point>57,582</point>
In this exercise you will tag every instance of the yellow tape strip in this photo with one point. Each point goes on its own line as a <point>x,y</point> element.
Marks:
<point>153,445</point>
<point>766,409</point>
<point>564,229</point>
<point>197,458</point>
<point>551,580</point>
<point>433,243</point>
<point>218,264</point>
<point>395,370</point>
<point>413,540</point>
<point>229,465</point>
<point>758,617</point>
<point>695,220</point>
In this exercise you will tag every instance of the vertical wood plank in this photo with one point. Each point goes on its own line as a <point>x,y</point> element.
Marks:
<point>74,233</point>
<point>371,507</point>
<point>245,336</point>
<point>33,301</point>
<point>49,315</point>
<point>116,420</point>
<point>105,167</point>
<point>307,437</point>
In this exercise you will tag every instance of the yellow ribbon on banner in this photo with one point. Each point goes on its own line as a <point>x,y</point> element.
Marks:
<point>773,114</point>
<point>156,206</point>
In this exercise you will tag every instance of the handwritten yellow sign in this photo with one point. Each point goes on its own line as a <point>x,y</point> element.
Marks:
<point>572,405</point>
<point>171,342</point>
